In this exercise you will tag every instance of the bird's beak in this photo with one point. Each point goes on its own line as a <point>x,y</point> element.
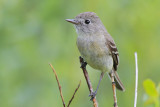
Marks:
<point>73,21</point>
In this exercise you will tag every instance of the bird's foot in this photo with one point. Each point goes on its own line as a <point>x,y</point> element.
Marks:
<point>93,94</point>
<point>83,65</point>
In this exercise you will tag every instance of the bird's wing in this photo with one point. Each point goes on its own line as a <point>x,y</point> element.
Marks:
<point>113,50</point>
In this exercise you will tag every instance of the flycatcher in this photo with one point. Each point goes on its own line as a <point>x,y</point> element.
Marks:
<point>97,47</point>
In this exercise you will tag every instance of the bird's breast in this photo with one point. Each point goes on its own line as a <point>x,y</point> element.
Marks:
<point>91,46</point>
<point>94,51</point>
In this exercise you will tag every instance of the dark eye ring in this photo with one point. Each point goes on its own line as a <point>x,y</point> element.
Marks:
<point>87,21</point>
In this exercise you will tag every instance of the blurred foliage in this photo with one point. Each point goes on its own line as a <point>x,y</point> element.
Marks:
<point>34,33</point>
<point>152,92</point>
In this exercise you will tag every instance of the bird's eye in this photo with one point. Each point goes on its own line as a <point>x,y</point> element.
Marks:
<point>87,21</point>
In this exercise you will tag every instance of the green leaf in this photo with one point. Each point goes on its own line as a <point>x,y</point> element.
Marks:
<point>150,88</point>
<point>158,88</point>
<point>149,101</point>
<point>157,103</point>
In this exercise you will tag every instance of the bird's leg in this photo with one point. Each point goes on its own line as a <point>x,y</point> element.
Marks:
<point>114,89</point>
<point>93,94</point>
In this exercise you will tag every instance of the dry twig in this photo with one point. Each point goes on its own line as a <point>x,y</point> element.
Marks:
<point>74,94</point>
<point>60,90</point>
<point>83,66</point>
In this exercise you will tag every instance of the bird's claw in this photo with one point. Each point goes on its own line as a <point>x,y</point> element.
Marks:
<point>83,65</point>
<point>92,95</point>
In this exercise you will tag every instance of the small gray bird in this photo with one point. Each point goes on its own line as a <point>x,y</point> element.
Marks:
<point>97,47</point>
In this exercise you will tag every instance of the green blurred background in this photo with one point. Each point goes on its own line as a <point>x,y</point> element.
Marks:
<point>34,33</point>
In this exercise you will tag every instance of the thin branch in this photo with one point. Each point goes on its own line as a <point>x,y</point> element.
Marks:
<point>74,94</point>
<point>60,90</point>
<point>136,80</point>
<point>83,66</point>
<point>114,89</point>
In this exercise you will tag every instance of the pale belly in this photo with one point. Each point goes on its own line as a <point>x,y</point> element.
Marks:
<point>95,53</point>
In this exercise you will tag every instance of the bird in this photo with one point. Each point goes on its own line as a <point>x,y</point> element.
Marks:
<point>97,48</point>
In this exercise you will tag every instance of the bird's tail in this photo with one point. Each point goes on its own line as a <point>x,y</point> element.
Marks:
<point>118,82</point>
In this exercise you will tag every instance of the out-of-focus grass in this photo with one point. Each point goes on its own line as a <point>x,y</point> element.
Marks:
<point>34,33</point>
